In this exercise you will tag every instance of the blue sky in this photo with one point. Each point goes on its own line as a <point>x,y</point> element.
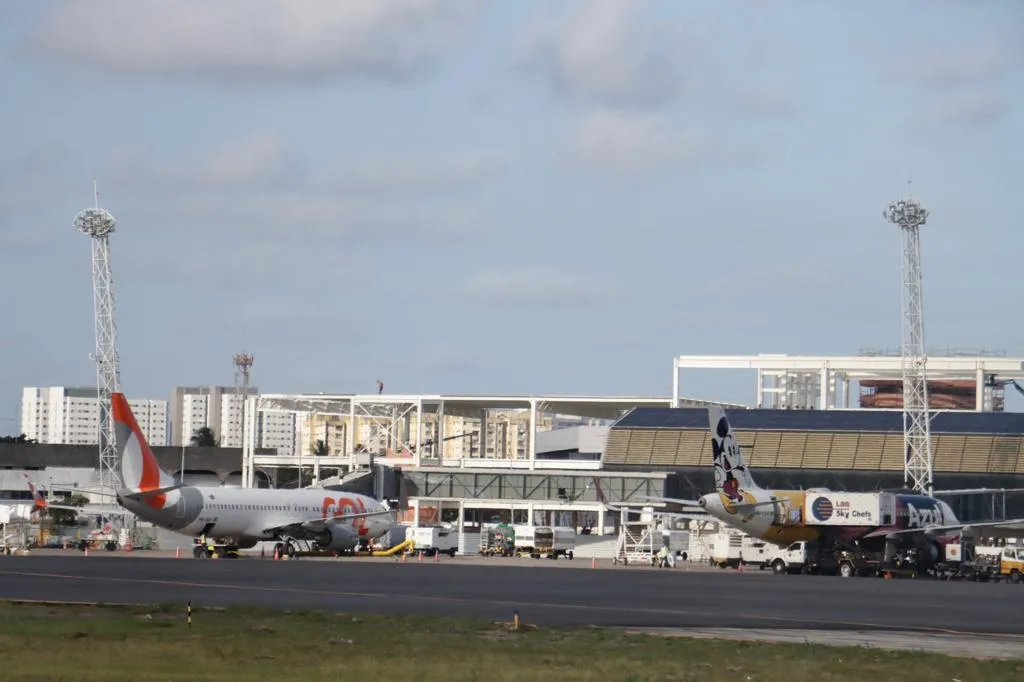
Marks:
<point>501,197</point>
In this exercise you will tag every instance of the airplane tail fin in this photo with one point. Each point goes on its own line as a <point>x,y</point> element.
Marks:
<point>38,500</point>
<point>731,473</point>
<point>140,472</point>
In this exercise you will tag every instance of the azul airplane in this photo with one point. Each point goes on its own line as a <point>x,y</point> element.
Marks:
<point>911,521</point>
<point>239,517</point>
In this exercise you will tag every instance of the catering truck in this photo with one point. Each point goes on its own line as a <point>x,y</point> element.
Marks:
<point>549,541</point>
<point>849,509</point>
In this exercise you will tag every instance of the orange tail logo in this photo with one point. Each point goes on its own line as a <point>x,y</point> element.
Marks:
<point>38,501</point>
<point>139,467</point>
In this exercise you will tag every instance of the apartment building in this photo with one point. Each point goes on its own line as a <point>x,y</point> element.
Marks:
<point>66,415</point>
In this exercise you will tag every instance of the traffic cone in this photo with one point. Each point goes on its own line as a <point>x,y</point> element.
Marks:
<point>419,557</point>
<point>86,551</point>
<point>277,553</point>
<point>593,562</point>
<point>741,567</point>
<point>177,552</point>
<point>437,557</point>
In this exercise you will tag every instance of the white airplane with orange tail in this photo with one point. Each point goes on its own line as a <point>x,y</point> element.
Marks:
<point>40,503</point>
<point>239,517</point>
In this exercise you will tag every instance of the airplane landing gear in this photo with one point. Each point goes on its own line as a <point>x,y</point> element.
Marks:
<point>285,549</point>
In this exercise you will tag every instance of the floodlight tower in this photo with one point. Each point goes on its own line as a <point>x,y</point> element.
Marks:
<point>917,472</point>
<point>99,225</point>
<point>243,363</point>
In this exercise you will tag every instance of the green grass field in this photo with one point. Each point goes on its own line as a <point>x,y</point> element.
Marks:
<point>51,643</point>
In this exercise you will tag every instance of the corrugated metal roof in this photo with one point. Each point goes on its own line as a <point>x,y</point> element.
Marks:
<point>821,420</point>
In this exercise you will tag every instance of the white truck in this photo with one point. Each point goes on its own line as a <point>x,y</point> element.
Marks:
<point>431,540</point>
<point>549,541</point>
<point>726,549</point>
<point>795,558</point>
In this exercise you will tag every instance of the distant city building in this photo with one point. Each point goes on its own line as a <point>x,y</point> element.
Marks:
<point>63,415</point>
<point>221,409</point>
<point>507,436</point>
<point>214,407</point>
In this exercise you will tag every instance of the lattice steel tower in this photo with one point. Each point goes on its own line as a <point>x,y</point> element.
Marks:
<point>917,472</point>
<point>99,224</point>
<point>243,364</point>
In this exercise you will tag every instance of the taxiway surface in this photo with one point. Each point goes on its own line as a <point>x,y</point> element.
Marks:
<point>581,596</point>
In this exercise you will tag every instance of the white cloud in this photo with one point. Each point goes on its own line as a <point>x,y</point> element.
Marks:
<point>255,41</point>
<point>951,68</point>
<point>633,142</point>
<point>266,162</point>
<point>537,285</point>
<point>604,51</point>
<point>264,187</point>
<point>416,175</point>
<point>775,102</point>
<point>967,85</point>
<point>257,163</point>
<point>291,218</point>
<point>971,108</point>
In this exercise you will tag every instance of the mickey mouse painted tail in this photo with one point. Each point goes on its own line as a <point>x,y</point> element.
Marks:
<point>731,472</point>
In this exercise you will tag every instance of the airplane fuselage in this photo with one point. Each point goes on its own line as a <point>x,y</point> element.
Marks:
<point>784,522</point>
<point>245,514</point>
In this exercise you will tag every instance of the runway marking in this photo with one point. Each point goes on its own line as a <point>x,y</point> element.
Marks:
<point>520,604</point>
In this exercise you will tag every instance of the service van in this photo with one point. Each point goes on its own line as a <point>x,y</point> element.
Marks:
<point>431,540</point>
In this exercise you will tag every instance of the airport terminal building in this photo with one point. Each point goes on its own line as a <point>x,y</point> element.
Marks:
<point>631,447</point>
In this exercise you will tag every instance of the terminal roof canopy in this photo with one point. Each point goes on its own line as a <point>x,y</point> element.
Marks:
<point>461,405</point>
<point>823,420</point>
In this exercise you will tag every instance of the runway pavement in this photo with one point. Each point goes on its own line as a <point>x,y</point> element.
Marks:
<point>585,596</point>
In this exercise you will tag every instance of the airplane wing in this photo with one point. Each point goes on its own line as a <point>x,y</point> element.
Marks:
<point>740,508</point>
<point>675,500</point>
<point>91,510</point>
<point>750,506</point>
<point>149,493</point>
<point>976,491</point>
<point>319,523</point>
<point>87,491</point>
<point>1008,527</point>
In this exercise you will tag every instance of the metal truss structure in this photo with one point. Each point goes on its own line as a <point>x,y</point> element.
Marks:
<point>824,382</point>
<point>910,217</point>
<point>413,430</point>
<point>98,225</point>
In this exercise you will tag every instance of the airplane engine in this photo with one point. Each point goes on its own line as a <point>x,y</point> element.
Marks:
<point>928,550</point>
<point>334,539</point>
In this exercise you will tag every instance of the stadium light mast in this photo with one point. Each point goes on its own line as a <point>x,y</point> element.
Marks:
<point>99,224</point>
<point>243,368</point>
<point>917,472</point>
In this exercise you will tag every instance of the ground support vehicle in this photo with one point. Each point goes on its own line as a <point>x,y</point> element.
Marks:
<point>431,540</point>
<point>966,561</point>
<point>497,541</point>
<point>547,541</point>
